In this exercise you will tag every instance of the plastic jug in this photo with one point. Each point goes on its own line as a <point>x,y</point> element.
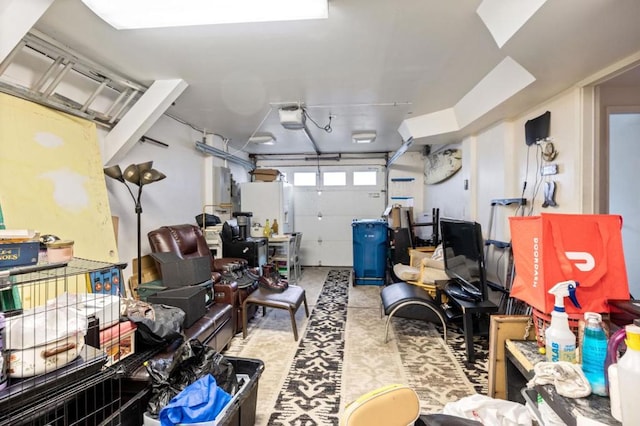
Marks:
<point>624,376</point>
<point>594,352</point>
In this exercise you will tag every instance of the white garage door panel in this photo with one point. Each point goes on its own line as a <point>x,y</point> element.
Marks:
<point>328,241</point>
<point>352,203</point>
<point>332,253</point>
<point>305,202</point>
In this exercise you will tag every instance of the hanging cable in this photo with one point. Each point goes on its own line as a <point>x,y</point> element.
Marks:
<point>326,128</point>
<point>253,134</point>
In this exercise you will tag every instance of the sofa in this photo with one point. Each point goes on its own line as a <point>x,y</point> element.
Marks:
<point>233,281</point>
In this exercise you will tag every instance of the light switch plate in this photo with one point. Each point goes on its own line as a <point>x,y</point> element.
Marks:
<point>549,169</point>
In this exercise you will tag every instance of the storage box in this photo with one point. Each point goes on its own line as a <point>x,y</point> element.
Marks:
<point>190,299</point>
<point>241,410</point>
<point>149,271</point>
<point>106,282</point>
<point>118,341</point>
<point>265,175</point>
<point>149,289</point>
<point>18,254</point>
<point>178,272</point>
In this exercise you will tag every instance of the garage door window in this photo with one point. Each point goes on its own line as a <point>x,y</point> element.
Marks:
<point>304,179</point>
<point>334,178</point>
<point>366,178</point>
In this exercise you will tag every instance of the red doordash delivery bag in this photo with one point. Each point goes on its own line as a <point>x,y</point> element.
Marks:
<point>586,248</point>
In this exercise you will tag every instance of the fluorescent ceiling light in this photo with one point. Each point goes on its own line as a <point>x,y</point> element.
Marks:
<point>265,139</point>
<point>129,14</point>
<point>364,137</point>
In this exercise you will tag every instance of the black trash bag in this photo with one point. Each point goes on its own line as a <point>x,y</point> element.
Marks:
<point>191,361</point>
<point>165,327</point>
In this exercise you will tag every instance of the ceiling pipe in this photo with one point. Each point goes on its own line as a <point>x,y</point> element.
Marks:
<point>313,142</point>
<point>207,149</point>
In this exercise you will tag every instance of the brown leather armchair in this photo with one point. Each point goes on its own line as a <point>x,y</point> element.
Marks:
<point>233,282</point>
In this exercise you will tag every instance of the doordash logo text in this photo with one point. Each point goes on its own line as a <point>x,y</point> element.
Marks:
<point>582,260</point>
<point>536,261</point>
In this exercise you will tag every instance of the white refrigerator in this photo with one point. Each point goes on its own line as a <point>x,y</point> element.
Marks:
<point>268,200</point>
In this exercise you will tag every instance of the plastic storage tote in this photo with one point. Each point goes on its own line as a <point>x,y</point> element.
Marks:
<point>370,241</point>
<point>241,410</point>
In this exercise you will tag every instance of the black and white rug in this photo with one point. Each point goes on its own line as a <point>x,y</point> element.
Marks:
<point>311,392</point>
<point>342,355</point>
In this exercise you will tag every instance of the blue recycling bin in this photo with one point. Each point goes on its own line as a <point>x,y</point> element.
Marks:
<point>370,242</point>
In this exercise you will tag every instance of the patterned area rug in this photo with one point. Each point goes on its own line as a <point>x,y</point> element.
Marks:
<point>311,392</point>
<point>342,354</point>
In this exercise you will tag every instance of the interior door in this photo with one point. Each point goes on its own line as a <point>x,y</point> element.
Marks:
<point>624,151</point>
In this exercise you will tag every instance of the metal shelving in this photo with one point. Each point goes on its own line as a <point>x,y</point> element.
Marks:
<point>72,385</point>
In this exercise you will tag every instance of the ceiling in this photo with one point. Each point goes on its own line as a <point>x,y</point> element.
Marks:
<point>371,65</point>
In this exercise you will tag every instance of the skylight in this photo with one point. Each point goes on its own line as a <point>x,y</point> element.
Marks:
<point>128,14</point>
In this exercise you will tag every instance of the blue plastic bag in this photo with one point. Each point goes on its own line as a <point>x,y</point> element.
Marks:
<point>201,401</point>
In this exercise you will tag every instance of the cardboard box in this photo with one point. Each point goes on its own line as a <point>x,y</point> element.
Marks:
<point>118,341</point>
<point>178,272</point>
<point>149,271</point>
<point>400,217</point>
<point>265,175</point>
<point>19,254</point>
<point>190,299</point>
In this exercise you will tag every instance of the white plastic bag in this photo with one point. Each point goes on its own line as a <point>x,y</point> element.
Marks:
<point>489,411</point>
<point>54,321</point>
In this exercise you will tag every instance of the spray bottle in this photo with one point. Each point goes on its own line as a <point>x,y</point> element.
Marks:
<point>560,341</point>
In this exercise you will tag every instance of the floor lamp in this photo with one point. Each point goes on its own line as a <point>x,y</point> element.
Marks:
<point>139,174</point>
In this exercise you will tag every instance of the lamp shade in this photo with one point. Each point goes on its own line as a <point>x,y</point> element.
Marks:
<point>114,172</point>
<point>132,174</point>
<point>151,176</point>
<point>143,167</point>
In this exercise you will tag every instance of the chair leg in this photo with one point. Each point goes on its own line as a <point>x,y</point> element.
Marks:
<point>386,329</point>
<point>292,314</point>
<point>244,319</point>
<point>306,307</point>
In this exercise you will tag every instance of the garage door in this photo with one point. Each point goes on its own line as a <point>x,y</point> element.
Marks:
<point>326,203</point>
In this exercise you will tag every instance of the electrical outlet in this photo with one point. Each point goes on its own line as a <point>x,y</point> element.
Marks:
<point>549,169</point>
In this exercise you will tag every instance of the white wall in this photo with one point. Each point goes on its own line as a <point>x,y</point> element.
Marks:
<point>409,165</point>
<point>497,165</point>
<point>174,200</point>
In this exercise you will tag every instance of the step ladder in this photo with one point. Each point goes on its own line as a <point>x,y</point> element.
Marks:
<point>104,96</point>
<point>507,304</point>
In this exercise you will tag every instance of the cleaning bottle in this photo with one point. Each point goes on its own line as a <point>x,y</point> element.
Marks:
<point>560,341</point>
<point>594,353</point>
<point>629,377</point>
